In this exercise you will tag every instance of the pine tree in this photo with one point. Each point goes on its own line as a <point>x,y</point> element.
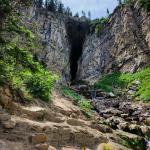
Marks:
<point>76,15</point>
<point>108,13</point>
<point>83,13</point>
<point>51,6</point>
<point>60,7</point>
<point>119,2</point>
<point>68,11</point>
<point>39,3</point>
<point>89,15</point>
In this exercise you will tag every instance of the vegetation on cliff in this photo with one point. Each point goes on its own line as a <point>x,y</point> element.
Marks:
<point>18,68</point>
<point>120,81</point>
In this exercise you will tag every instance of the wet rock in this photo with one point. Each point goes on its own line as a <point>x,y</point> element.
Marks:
<point>38,138</point>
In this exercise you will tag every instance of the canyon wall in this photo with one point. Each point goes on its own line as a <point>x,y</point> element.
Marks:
<point>50,29</point>
<point>66,48</point>
<point>123,45</point>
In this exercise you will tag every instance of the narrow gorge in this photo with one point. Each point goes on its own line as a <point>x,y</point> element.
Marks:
<point>72,83</point>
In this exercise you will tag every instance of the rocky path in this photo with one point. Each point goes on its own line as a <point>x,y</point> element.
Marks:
<point>61,126</point>
<point>120,114</point>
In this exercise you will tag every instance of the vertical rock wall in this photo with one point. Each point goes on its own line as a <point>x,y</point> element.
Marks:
<point>124,45</point>
<point>52,35</point>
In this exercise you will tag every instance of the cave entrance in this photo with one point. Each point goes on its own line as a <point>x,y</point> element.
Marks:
<point>76,33</point>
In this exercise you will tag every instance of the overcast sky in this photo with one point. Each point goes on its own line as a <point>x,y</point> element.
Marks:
<point>97,7</point>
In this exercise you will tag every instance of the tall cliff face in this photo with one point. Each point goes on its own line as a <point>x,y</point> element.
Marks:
<point>61,39</point>
<point>50,28</point>
<point>124,45</point>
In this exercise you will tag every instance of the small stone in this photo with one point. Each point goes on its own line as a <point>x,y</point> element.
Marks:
<point>124,115</point>
<point>42,146</point>
<point>52,148</point>
<point>147,121</point>
<point>9,124</point>
<point>38,138</point>
<point>111,94</point>
<point>131,92</point>
<point>4,117</point>
<point>137,82</point>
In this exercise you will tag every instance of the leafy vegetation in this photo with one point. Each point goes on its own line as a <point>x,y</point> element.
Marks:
<point>107,147</point>
<point>97,25</point>
<point>78,99</point>
<point>145,4</point>
<point>120,81</point>
<point>18,68</point>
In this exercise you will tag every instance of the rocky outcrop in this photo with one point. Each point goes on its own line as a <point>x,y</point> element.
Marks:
<point>50,29</point>
<point>123,45</point>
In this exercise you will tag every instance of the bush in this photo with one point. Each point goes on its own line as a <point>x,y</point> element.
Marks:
<point>110,83</point>
<point>17,65</point>
<point>84,104</point>
<point>41,84</point>
<point>97,25</point>
<point>145,4</point>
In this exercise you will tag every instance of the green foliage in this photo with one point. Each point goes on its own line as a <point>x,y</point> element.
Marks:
<point>129,2</point>
<point>17,65</point>
<point>145,4</point>
<point>41,84</point>
<point>135,143</point>
<point>78,99</point>
<point>107,147</point>
<point>97,25</point>
<point>70,94</point>
<point>118,81</point>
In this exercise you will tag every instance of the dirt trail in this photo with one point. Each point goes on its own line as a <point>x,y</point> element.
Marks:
<point>54,126</point>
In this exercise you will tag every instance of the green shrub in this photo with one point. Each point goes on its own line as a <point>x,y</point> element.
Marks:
<point>17,65</point>
<point>84,104</point>
<point>117,81</point>
<point>70,94</point>
<point>145,4</point>
<point>41,84</point>
<point>97,25</point>
<point>129,2</point>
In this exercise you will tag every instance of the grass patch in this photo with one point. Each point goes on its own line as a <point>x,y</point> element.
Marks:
<point>84,104</point>
<point>120,81</point>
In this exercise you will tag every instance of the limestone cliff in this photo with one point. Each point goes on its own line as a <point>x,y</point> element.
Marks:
<point>123,45</point>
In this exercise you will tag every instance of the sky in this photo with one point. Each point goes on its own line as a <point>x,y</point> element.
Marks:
<point>98,8</point>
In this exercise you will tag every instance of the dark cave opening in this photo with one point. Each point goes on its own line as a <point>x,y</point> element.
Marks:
<point>76,33</point>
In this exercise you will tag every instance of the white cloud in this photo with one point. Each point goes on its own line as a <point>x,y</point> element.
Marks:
<point>97,7</point>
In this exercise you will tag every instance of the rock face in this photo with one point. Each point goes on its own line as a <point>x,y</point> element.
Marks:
<point>124,44</point>
<point>52,37</point>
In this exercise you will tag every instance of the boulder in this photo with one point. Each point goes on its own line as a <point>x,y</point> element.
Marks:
<point>9,124</point>
<point>4,117</point>
<point>42,146</point>
<point>147,121</point>
<point>38,138</point>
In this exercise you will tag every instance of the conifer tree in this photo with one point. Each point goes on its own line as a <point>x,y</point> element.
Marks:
<point>60,7</point>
